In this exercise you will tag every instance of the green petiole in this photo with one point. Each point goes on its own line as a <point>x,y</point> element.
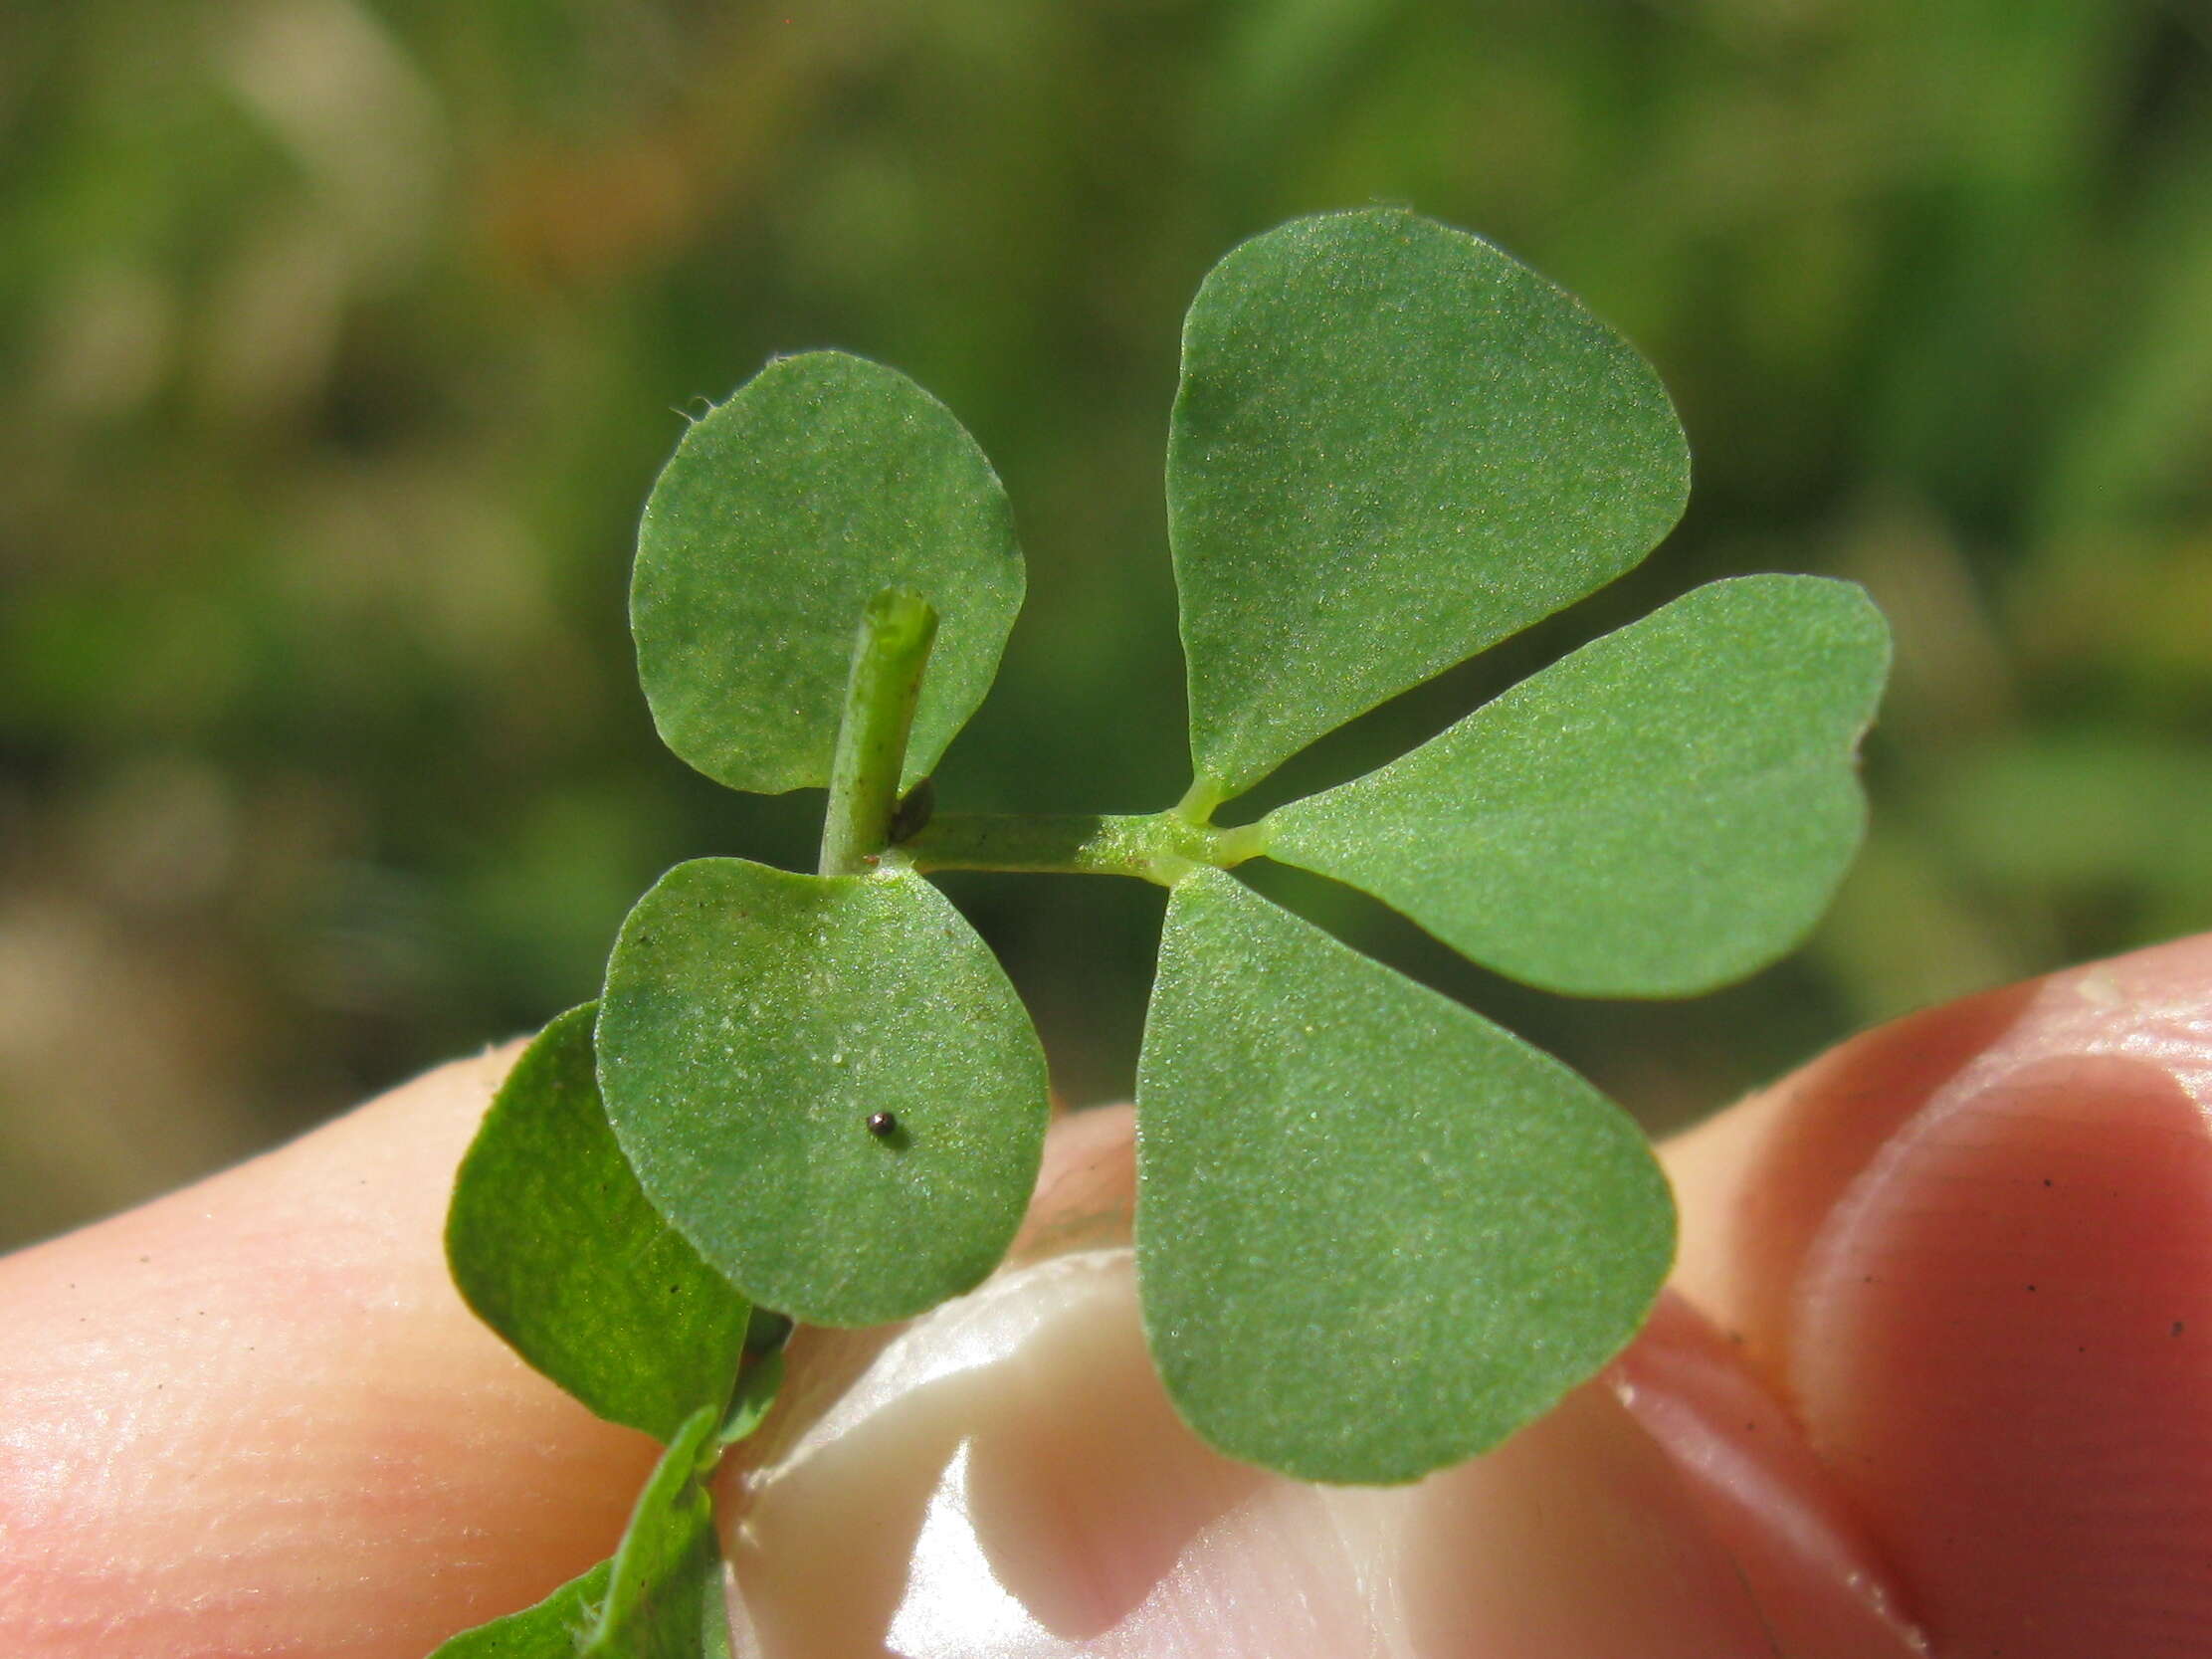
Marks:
<point>890,653</point>
<point>1160,847</point>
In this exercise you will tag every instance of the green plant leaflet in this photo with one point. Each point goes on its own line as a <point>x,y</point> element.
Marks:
<point>1375,1233</point>
<point>1393,445</point>
<point>823,481</point>
<point>553,1244</point>
<point>1661,812</point>
<point>663,1595</point>
<point>756,1021</point>
<point>554,1628</point>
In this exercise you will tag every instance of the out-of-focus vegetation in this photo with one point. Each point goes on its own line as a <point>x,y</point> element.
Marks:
<point>340,340</point>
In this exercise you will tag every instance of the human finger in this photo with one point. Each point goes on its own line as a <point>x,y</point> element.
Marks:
<point>255,1418</point>
<point>1973,1250</point>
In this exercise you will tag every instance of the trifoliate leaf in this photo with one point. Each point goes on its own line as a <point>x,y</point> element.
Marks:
<point>554,1628</point>
<point>1659,812</point>
<point>1375,1233</point>
<point>1393,445</point>
<point>826,1083</point>
<point>823,481</point>
<point>556,1247</point>
<point>663,1595</point>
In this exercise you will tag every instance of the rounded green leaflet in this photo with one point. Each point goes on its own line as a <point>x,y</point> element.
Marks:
<point>1375,1233</point>
<point>1658,813</point>
<point>554,1246</point>
<point>825,1083</point>
<point>1393,445</point>
<point>823,481</point>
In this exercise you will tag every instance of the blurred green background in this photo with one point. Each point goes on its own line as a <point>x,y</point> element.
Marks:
<point>341,339</point>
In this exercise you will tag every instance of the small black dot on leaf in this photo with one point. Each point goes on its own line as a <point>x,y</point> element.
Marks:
<point>882,1125</point>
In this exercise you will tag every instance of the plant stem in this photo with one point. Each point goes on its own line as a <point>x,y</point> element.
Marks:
<point>1200,800</point>
<point>890,653</point>
<point>1157,846</point>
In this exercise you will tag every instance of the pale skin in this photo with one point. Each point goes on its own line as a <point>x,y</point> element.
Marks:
<point>1940,1354</point>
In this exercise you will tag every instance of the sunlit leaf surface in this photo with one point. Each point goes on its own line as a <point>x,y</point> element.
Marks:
<point>1375,1233</point>
<point>825,1082</point>
<point>1393,445</point>
<point>1663,811</point>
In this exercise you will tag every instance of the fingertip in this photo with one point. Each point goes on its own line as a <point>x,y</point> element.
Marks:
<point>240,1416</point>
<point>1087,1186</point>
<point>1971,1249</point>
<point>1754,1183</point>
<point>2004,1343</point>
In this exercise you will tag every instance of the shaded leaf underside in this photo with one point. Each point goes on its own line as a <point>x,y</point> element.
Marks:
<point>823,481</point>
<point>556,1247</point>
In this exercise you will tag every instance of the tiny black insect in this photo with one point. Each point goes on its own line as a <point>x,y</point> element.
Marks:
<point>882,1125</point>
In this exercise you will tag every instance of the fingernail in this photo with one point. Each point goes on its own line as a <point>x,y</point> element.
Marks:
<point>1819,1581</point>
